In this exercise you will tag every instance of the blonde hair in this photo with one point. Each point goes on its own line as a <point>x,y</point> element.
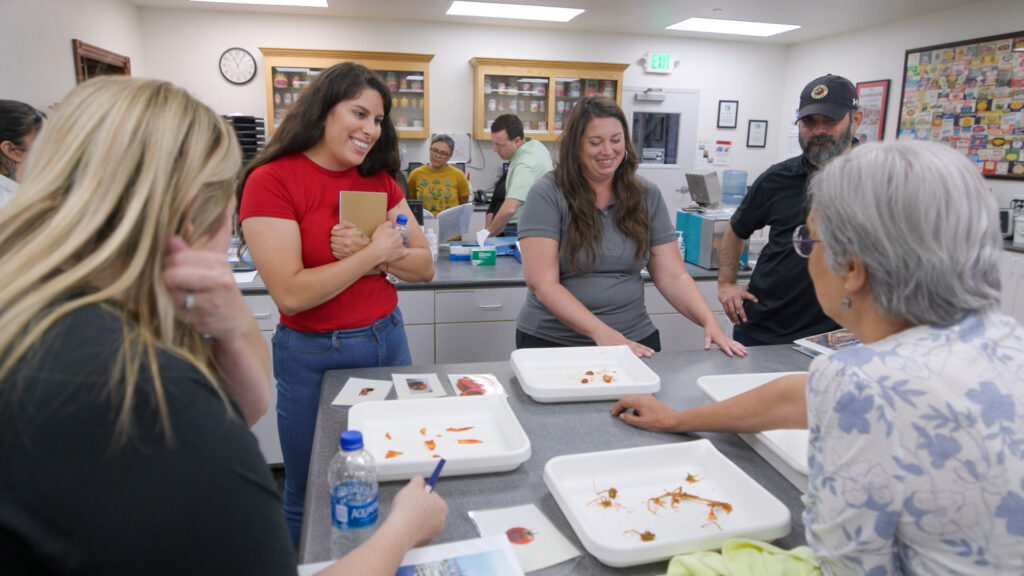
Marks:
<point>124,165</point>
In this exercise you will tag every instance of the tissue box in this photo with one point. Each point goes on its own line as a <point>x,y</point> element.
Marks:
<point>485,256</point>
<point>458,251</point>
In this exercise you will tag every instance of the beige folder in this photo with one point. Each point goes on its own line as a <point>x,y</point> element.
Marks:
<point>367,210</point>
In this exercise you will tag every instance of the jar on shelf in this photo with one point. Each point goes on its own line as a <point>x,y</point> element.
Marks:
<point>280,80</point>
<point>296,81</point>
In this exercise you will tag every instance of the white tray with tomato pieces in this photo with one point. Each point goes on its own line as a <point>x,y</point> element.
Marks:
<point>586,373</point>
<point>640,505</point>
<point>474,434</point>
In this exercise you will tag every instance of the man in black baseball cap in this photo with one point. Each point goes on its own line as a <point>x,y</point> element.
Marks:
<point>828,118</point>
<point>779,305</point>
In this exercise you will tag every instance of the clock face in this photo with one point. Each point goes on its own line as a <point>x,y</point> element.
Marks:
<point>237,65</point>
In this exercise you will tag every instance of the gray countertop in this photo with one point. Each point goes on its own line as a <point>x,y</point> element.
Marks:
<point>507,271</point>
<point>554,429</point>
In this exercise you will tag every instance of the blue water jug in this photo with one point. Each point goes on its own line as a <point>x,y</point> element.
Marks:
<point>734,186</point>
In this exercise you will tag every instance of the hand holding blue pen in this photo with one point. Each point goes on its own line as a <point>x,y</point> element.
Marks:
<point>433,477</point>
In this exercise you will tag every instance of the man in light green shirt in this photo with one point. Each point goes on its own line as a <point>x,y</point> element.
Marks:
<point>528,160</point>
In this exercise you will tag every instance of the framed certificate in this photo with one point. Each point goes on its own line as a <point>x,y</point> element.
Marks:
<point>728,111</point>
<point>873,98</point>
<point>757,133</point>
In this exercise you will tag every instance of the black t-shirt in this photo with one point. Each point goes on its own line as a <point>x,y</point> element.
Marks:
<point>73,502</point>
<point>787,308</point>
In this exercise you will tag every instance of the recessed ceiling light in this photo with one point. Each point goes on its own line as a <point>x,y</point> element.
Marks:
<point>514,11</point>
<point>738,27</point>
<point>310,3</point>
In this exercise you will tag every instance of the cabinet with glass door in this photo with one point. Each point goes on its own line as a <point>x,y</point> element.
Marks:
<point>289,71</point>
<point>540,92</point>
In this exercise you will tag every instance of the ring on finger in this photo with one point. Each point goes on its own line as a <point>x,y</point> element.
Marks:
<point>190,300</point>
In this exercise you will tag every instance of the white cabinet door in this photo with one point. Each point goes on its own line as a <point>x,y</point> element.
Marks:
<point>676,331</point>
<point>421,343</point>
<point>265,429</point>
<point>476,325</point>
<point>417,308</point>
<point>1009,263</point>
<point>475,341</point>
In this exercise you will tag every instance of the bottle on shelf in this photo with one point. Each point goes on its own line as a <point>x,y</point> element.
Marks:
<point>352,476</point>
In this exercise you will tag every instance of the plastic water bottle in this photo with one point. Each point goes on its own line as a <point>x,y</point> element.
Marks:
<point>352,477</point>
<point>401,223</point>
<point>734,186</point>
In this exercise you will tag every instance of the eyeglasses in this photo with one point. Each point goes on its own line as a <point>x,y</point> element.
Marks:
<point>438,152</point>
<point>802,241</point>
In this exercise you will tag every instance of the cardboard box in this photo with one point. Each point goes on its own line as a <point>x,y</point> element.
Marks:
<point>485,256</point>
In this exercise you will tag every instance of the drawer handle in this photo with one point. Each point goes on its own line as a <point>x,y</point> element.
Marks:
<point>262,316</point>
<point>490,306</point>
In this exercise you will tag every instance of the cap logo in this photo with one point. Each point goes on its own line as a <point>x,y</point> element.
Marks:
<point>819,92</point>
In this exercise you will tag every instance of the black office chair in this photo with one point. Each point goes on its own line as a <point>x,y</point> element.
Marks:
<point>412,166</point>
<point>460,166</point>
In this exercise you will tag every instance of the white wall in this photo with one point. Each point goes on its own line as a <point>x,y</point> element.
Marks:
<point>36,61</point>
<point>878,53</point>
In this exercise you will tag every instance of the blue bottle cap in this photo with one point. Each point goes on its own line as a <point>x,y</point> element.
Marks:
<point>351,440</point>
<point>401,220</point>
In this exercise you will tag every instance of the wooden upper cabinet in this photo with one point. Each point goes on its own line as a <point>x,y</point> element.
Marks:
<point>540,92</point>
<point>289,71</point>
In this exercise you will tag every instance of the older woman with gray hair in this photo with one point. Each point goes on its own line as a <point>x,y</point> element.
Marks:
<point>917,436</point>
<point>438,184</point>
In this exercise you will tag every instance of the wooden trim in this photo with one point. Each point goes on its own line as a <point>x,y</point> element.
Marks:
<point>559,64</point>
<point>82,50</point>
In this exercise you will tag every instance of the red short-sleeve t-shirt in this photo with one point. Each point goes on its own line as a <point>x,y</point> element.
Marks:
<point>296,188</point>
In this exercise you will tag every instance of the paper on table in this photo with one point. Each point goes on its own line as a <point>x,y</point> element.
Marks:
<point>417,386</point>
<point>492,556</point>
<point>535,540</point>
<point>358,390</point>
<point>245,277</point>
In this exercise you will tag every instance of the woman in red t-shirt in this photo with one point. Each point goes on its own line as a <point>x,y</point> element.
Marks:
<point>328,278</point>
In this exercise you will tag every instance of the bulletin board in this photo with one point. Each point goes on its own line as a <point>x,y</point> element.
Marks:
<point>970,96</point>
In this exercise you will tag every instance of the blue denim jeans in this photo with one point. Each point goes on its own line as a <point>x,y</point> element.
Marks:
<point>300,360</point>
<point>746,339</point>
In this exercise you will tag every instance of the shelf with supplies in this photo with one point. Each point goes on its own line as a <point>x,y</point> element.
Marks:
<point>540,92</point>
<point>290,70</point>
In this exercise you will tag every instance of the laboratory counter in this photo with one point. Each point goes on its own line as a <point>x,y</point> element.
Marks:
<point>553,429</point>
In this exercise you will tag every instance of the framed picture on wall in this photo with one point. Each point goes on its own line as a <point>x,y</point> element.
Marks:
<point>969,95</point>
<point>873,98</point>
<point>728,112</point>
<point>757,133</point>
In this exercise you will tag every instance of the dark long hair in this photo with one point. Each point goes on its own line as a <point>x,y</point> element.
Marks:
<point>584,234</point>
<point>303,127</point>
<point>17,120</point>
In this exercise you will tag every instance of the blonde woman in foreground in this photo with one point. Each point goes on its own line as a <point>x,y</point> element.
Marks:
<point>124,434</point>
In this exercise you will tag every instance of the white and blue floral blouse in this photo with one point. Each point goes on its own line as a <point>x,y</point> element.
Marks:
<point>917,452</point>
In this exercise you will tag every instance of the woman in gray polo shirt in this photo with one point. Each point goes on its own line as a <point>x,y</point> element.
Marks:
<point>588,230</point>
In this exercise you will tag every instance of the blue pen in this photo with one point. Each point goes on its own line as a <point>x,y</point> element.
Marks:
<point>433,477</point>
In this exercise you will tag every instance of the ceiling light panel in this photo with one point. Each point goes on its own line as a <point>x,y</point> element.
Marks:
<point>513,11</point>
<point>737,27</point>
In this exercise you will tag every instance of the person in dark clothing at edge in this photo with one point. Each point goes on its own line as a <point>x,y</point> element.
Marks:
<point>779,306</point>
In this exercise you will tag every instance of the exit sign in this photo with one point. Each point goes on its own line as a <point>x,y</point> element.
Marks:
<point>658,63</point>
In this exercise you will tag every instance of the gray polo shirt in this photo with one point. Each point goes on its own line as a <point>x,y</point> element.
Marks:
<point>613,288</point>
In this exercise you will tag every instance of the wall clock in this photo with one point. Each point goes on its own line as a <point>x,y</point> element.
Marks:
<point>237,65</point>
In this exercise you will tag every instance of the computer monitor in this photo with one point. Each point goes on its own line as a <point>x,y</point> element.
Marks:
<point>704,189</point>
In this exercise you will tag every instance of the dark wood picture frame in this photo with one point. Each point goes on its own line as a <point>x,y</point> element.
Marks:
<point>968,95</point>
<point>757,133</point>
<point>873,99</point>
<point>727,118</point>
<point>92,61</point>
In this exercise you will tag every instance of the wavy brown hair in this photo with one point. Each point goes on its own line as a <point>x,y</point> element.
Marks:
<point>303,127</point>
<point>584,234</point>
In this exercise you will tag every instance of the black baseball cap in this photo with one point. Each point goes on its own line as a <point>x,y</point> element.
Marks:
<point>830,95</point>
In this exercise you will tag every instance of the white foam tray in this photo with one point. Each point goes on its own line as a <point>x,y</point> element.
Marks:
<point>648,472</point>
<point>504,445</point>
<point>556,374</point>
<point>785,450</point>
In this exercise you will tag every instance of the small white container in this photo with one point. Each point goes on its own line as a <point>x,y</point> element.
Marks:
<point>557,374</point>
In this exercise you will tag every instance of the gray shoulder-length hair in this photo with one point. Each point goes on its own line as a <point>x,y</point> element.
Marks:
<point>920,218</point>
<point>444,138</point>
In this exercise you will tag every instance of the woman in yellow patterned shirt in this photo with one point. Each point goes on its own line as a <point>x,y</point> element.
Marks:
<point>438,184</point>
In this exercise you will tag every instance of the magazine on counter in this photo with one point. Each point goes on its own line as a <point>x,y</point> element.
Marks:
<point>826,343</point>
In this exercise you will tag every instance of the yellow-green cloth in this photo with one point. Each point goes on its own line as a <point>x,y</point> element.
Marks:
<point>742,557</point>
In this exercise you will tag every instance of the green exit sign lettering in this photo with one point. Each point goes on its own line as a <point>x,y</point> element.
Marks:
<point>658,63</point>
